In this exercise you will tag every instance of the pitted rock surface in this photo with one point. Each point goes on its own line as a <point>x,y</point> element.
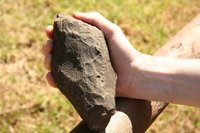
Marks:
<point>82,70</point>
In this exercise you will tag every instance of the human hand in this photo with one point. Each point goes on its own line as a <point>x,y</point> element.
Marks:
<point>47,51</point>
<point>123,55</point>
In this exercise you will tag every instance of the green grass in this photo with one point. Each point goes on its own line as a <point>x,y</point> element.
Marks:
<point>28,104</point>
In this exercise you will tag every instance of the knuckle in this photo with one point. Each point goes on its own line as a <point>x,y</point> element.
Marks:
<point>46,62</point>
<point>115,30</point>
<point>97,14</point>
<point>95,17</point>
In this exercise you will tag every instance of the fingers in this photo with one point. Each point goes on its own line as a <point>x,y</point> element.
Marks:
<point>49,31</point>
<point>47,61</point>
<point>46,50</point>
<point>47,47</point>
<point>96,19</point>
<point>51,80</point>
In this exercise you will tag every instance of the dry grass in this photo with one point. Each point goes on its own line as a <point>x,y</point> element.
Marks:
<point>28,104</point>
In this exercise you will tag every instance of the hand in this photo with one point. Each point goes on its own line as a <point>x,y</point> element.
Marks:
<point>47,51</point>
<point>139,76</point>
<point>123,55</point>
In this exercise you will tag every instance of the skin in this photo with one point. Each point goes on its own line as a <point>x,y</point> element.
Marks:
<point>139,75</point>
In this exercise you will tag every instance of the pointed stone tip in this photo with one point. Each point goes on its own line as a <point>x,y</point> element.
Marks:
<point>61,16</point>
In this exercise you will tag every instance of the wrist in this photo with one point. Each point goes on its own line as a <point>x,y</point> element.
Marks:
<point>145,78</point>
<point>128,80</point>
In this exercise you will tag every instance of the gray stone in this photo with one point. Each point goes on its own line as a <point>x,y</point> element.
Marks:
<point>82,70</point>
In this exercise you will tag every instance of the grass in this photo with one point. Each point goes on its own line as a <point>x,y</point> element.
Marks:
<point>28,104</point>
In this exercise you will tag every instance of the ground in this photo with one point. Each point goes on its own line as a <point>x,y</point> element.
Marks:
<point>28,104</point>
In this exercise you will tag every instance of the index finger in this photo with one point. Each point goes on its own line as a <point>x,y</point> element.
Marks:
<point>49,31</point>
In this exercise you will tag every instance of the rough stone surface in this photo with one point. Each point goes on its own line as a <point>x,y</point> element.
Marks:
<point>82,69</point>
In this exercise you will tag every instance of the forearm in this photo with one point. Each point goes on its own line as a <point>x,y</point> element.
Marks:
<point>168,80</point>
